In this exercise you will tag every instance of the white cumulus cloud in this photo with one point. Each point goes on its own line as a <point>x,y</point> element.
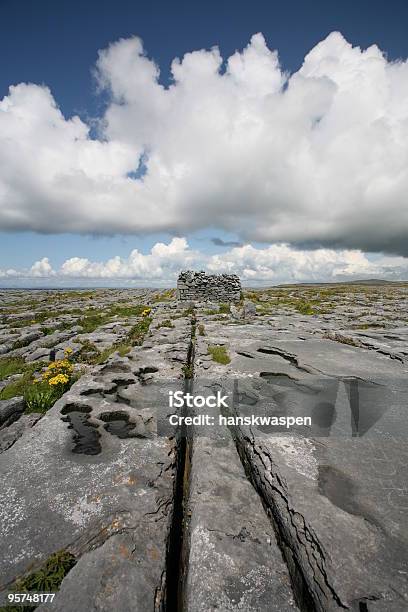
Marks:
<point>270,265</point>
<point>317,157</point>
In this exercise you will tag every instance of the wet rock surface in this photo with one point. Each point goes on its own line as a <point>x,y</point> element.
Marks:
<point>236,517</point>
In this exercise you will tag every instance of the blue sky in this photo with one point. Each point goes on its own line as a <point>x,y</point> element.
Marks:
<point>56,44</point>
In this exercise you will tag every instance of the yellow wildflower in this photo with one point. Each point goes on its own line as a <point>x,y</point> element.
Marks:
<point>58,371</point>
<point>60,379</point>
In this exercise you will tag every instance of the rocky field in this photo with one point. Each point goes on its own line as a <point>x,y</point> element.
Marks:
<point>108,505</point>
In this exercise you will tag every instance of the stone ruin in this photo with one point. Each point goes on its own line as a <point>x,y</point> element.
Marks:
<point>202,287</point>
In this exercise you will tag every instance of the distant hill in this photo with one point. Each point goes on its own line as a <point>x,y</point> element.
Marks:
<point>367,281</point>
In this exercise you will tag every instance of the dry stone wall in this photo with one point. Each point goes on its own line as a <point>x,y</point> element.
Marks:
<point>204,287</point>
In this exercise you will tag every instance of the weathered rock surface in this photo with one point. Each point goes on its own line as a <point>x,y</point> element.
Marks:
<point>102,488</point>
<point>10,410</point>
<point>338,502</point>
<point>238,517</point>
<point>9,435</point>
<point>234,559</point>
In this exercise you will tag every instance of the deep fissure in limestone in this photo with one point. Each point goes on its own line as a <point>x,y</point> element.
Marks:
<point>307,599</point>
<point>178,541</point>
<point>177,547</point>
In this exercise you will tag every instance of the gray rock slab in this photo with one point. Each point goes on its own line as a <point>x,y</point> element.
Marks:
<point>349,553</point>
<point>124,573</point>
<point>110,509</point>
<point>10,410</point>
<point>338,500</point>
<point>234,561</point>
<point>51,507</point>
<point>39,354</point>
<point>10,434</point>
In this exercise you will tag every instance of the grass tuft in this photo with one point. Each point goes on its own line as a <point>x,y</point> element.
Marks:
<point>137,332</point>
<point>10,366</point>
<point>40,398</point>
<point>17,366</point>
<point>219,354</point>
<point>224,309</point>
<point>47,579</point>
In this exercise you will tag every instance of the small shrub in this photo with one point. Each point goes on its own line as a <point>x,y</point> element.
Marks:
<point>20,344</point>
<point>219,354</point>
<point>47,331</point>
<point>250,295</point>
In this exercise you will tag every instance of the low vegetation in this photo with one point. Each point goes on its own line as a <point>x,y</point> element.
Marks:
<point>47,579</point>
<point>91,321</point>
<point>127,311</point>
<point>219,354</point>
<point>57,378</point>
<point>304,308</point>
<point>16,365</point>
<point>92,355</point>
<point>12,365</point>
<point>165,323</point>
<point>337,337</point>
<point>137,333</point>
<point>188,371</point>
<point>369,325</point>
<point>41,392</point>
<point>39,398</point>
<point>201,330</point>
<point>224,309</point>
<point>17,387</point>
<point>165,296</point>
<point>94,318</point>
<point>188,312</point>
